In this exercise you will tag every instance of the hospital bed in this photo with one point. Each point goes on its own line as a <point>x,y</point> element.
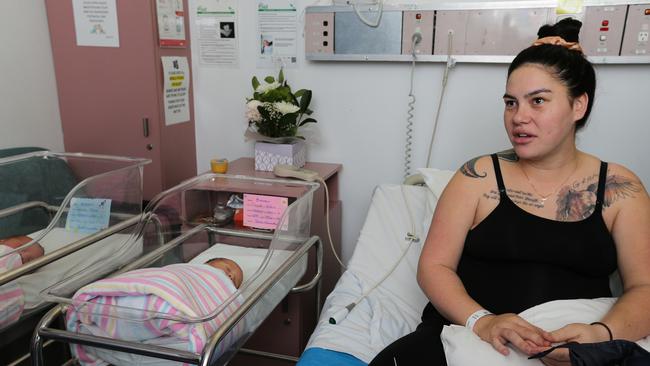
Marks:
<point>392,236</point>
<point>47,200</point>
<point>273,262</point>
<point>394,231</point>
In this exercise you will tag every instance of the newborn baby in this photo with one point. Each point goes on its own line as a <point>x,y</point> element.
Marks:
<point>230,268</point>
<point>27,254</point>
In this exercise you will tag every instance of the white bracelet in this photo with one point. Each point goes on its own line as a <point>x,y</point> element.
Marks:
<point>478,314</point>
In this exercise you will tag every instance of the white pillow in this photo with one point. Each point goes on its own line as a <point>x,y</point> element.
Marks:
<point>436,180</point>
<point>463,347</point>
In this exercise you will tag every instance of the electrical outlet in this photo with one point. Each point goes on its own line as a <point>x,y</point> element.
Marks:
<point>643,36</point>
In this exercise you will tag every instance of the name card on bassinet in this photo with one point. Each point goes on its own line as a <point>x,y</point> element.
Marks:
<point>88,215</point>
<point>263,212</point>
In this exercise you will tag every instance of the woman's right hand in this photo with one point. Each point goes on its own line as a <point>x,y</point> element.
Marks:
<point>498,330</point>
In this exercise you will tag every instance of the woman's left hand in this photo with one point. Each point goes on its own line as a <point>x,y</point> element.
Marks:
<point>575,332</point>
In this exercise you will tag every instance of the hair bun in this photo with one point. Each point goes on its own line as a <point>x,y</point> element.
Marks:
<point>567,28</point>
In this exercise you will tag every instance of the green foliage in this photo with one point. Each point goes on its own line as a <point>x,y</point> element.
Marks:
<point>278,112</point>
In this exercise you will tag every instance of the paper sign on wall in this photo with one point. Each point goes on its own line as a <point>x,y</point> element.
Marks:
<point>277,25</point>
<point>88,215</point>
<point>218,35</point>
<point>176,89</point>
<point>263,212</point>
<point>95,23</point>
<point>171,23</point>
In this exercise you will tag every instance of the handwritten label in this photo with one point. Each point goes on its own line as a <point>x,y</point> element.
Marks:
<point>88,215</point>
<point>263,212</point>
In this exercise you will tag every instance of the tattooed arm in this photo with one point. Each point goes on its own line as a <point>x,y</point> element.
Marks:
<point>627,208</point>
<point>456,213</point>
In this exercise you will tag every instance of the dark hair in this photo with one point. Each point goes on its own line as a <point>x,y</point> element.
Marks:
<point>569,66</point>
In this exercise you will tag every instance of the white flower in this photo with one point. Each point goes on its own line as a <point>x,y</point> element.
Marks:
<point>263,88</point>
<point>251,110</point>
<point>285,107</point>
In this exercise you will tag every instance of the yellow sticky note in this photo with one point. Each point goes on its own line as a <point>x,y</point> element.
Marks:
<point>569,7</point>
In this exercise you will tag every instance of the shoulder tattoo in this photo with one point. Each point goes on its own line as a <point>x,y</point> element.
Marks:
<point>469,168</point>
<point>578,200</point>
<point>508,155</point>
<point>618,188</point>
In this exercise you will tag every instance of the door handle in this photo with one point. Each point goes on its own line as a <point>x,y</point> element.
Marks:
<point>145,126</point>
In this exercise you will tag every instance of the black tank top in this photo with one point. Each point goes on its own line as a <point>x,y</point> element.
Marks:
<point>514,260</point>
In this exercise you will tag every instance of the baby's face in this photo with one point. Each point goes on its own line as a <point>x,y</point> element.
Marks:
<point>231,269</point>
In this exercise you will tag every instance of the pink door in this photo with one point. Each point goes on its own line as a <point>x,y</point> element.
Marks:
<point>107,94</point>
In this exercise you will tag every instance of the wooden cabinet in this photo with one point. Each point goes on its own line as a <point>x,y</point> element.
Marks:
<point>108,94</point>
<point>287,330</point>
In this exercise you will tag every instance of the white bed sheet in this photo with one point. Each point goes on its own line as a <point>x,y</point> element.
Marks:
<point>248,258</point>
<point>104,250</point>
<point>394,308</point>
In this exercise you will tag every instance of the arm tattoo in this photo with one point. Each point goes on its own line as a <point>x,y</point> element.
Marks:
<point>469,168</point>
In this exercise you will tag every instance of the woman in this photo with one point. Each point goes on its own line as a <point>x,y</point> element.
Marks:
<point>541,222</point>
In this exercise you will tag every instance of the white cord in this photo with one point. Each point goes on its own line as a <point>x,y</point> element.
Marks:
<point>411,237</point>
<point>415,40</point>
<point>450,64</point>
<point>363,19</point>
<point>327,222</point>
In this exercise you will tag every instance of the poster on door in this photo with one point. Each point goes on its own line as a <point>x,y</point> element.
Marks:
<point>171,23</point>
<point>95,23</point>
<point>176,89</point>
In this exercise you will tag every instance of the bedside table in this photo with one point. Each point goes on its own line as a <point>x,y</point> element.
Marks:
<point>287,329</point>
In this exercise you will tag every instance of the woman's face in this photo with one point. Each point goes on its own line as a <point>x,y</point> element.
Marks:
<point>539,115</point>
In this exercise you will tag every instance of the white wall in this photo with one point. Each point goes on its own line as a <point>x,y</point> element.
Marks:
<point>361,111</point>
<point>29,109</point>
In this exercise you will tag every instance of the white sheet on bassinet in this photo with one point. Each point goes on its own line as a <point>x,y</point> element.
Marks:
<point>104,250</point>
<point>394,308</point>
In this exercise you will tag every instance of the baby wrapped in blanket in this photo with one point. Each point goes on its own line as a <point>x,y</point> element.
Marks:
<point>177,290</point>
<point>11,295</point>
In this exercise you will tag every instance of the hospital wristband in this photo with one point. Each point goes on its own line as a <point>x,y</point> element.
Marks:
<point>478,314</point>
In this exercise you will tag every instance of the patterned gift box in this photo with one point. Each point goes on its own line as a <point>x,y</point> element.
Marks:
<point>268,155</point>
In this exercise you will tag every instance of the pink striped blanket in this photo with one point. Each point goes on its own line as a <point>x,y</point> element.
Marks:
<point>124,307</point>
<point>12,299</point>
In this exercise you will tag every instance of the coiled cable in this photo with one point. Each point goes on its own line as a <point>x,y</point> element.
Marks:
<point>415,40</point>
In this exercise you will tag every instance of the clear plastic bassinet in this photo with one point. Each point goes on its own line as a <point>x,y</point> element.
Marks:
<point>192,223</point>
<point>53,208</point>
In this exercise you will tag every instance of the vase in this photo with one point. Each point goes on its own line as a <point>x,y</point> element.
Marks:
<point>268,155</point>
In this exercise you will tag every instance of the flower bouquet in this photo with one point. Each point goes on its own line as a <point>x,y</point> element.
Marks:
<point>274,115</point>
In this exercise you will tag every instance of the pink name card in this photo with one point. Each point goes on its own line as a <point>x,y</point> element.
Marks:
<point>263,212</point>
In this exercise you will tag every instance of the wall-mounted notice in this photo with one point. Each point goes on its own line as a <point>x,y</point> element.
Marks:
<point>277,33</point>
<point>216,21</point>
<point>176,89</point>
<point>88,215</point>
<point>171,23</point>
<point>263,212</point>
<point>95,23</point>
